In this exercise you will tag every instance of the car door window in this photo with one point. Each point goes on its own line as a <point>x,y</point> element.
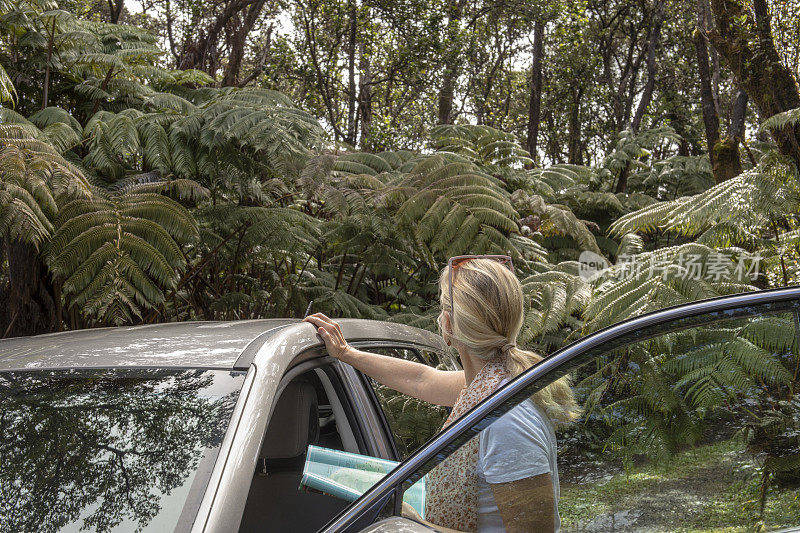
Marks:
<point>411,421</point>
<point>692,423</point>
<point>687,429</point>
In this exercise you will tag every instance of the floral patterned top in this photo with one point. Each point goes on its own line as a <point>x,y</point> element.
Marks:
<point>452,486</point>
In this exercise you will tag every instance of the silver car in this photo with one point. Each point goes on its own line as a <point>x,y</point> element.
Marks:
<point>204,426</point>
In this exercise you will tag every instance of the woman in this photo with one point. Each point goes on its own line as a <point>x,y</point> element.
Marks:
<point>506,478</point>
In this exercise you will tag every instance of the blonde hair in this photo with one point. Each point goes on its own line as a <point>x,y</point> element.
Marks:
<point>488,303</point>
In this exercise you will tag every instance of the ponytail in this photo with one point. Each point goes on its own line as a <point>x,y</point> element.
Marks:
<point>556,399</point>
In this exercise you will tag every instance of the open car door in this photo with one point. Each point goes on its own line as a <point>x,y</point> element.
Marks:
<point>689,420</point>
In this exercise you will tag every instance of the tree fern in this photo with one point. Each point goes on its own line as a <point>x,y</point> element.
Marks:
<point>782,120</point>
<point>653,280</point>
<point>7,91</point>
<point>481,144</point>
<point>116,253</point>
<point>33,178</point>
<point>556,219</point>
<point>749,201</point>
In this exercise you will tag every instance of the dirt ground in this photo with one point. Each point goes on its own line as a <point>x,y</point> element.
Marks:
<point>713,490</point>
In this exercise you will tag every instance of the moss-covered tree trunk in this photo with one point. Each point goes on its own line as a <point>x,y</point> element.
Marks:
<point>744,39</point>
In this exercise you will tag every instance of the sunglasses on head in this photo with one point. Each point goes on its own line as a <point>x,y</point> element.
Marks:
<point>454,262</point>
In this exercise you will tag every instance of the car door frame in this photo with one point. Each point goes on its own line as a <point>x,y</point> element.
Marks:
<point>562,361</point>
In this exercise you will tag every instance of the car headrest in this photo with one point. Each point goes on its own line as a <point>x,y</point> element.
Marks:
<point>294,423</point>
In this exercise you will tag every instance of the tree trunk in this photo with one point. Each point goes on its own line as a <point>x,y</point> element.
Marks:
<point>201,52</point>
<point>351,82</point>
<point>446,95</point>
<point>535,104</point>
<point>230,78</point>
<point>727,158</point>
<point>710,116</point>
<point>727,163</point>
<point>31,305</point>
<point>309,27</point>
<point>262,60</point>
<point>679,124</point>
<point>115,10</point>
<point>237,39</point>
<point>364,97</point>
<point>574,142</point>
<point>715,72</point>
<point>647,94</point>
<point>455,10</point>
<point>50,40</point>
<point>750,52</point>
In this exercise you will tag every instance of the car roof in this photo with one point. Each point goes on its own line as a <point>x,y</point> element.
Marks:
<point>231,344</point>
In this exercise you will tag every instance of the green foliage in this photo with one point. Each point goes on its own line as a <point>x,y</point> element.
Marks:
<point>116,253</point>
<point>648,281</point>
<point>156,194</point>
<point>555,219</point>
<point>33,178</point>
<point>6,87</point>
<point>481,144</point>
<point>661,393</point>
<point>782,120</point>
<point>555,295</point>
<point>734,213</point>
<point>633,147</point>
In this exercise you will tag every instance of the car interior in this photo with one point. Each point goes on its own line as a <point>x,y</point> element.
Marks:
<point>308,411</point>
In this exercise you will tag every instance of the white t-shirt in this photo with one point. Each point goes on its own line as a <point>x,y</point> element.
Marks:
<point>521,444</point>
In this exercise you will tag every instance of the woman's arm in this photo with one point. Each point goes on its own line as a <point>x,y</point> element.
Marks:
<point>526,504</point>
<point>434,386</point>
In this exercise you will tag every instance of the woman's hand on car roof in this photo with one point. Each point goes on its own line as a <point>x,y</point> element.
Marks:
<point>331,333</point>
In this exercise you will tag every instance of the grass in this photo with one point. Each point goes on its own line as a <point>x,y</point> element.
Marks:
<point>713,488</point>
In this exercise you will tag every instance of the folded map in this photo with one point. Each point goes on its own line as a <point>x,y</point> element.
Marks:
<point>349,475</point>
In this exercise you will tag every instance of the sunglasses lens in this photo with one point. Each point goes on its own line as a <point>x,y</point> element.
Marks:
<point>458,262</point>
<point>502,259</point>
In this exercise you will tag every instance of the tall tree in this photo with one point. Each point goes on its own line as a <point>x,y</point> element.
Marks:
<point>212,37</point>
<point>34,178</point>
<point>239,30</point>
<point>453,46</point>
<point>652,46</point>
<point>352,96</point>
<point>364,96</point>
<point>723,152</point>
<point>744,39</point>
<point>535,104</point>
<point>647,92</point>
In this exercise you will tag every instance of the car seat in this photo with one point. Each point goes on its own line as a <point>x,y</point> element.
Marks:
<point>275,502</point>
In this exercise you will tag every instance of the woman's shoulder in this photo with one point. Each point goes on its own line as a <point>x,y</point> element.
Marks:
<point>524,419</point>
<point>520,437</point>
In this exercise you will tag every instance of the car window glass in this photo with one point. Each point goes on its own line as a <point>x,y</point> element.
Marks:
<point>695,428</point>
<point>411,421</point>
<point>109,450</point>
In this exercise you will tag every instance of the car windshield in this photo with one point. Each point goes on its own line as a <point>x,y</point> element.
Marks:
<point>109,450</point>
